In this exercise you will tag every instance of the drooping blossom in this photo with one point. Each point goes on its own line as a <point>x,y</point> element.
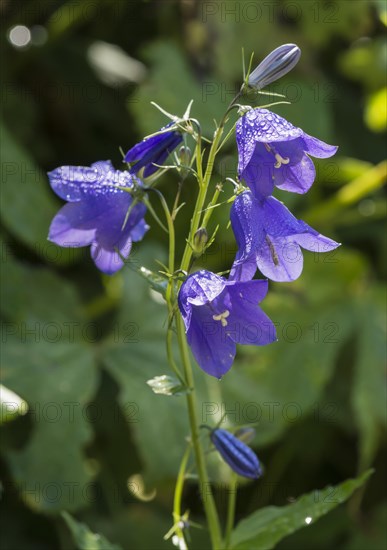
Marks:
<point>273,152</point>
<point>270,238</point>
<point>152,151</point>
<point>220,313</point>
<point>97,212</point>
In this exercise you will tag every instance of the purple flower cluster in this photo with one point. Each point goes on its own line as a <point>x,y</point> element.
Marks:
<point>104,210</point>
<point>101,211</point>
<point>220,313</point>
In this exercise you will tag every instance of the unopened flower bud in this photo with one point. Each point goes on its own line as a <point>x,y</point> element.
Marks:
<point>199,241</point>
<point>236,454</point>
<point>279,62</point>
<point>184,156</point>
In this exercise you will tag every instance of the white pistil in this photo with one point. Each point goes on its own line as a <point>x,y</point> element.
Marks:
<point>279,160</point>
<point>222,317</point>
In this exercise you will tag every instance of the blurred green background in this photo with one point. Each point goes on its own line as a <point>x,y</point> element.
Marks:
<point>78,347</point>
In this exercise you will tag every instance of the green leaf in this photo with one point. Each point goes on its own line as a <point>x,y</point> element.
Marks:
<point>369,388</point>
<point>27,205</point>
<point>46,298</point>
<point>265,528</point>
<point>57,381</point>
<point>86,539</point>
<point>11,405</point>
<point>136,354</point>
<point>47,363</point>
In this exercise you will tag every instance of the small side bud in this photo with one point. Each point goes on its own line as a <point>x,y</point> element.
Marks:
<point>200,241</point>
<point>184,156</point>
<point>279,62</point>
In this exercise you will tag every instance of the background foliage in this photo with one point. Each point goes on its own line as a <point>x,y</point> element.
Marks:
<point>94,445</point>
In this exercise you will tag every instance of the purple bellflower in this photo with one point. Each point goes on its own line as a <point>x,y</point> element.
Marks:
<point>220,313</point>
<point>236,454</point>
<point>98,213</point>
<point>269,238</point>
<point>153,151</point>
<point>273,152</point>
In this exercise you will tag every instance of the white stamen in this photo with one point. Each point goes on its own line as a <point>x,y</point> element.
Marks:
<point>222,317</point>
<point>280,160</point>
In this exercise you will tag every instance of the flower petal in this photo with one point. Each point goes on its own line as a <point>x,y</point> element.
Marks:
<point>313,240</point>
<point>247,323</point>
<point>139,230</point>
<point>108,260</point>
<point>69,182</point>
<point>213,350</point>
<point>71,226</point>
<point>318,148</point>
<point>280,259</point>
<point>244,268</point>
<point>297,178</point>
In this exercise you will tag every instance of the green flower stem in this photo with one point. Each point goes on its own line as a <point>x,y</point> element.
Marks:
<point>203,187</point>
<point>211,207</point>
<point>179,492</point>
<point>205,488</point>
<point>169,294</point>
<point>231,509</point>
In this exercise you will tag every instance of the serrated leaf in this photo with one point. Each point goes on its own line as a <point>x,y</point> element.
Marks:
<point>85,539</point>
<point>265,528</point>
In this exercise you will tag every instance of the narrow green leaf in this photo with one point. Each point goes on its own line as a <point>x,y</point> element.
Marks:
<point>264,528</point>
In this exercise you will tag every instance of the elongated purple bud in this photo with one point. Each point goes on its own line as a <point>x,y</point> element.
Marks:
<point>279,62</point>
<point>236,454</point>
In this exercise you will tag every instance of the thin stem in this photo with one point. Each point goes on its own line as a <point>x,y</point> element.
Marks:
<point>231,509</point>
<point>203,187</point>
<point>179,492</point>
<point>169,294</point>
<point>177,199</point>
<point>205,488</point>
<point>210,208</point>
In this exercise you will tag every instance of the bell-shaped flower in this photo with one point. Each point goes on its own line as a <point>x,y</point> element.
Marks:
<point>273,152</point>
<point>270,238</point>
<point>220,313</point>
<point>152,151</point>
<point>98,213</point>
<point>236,454</point>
